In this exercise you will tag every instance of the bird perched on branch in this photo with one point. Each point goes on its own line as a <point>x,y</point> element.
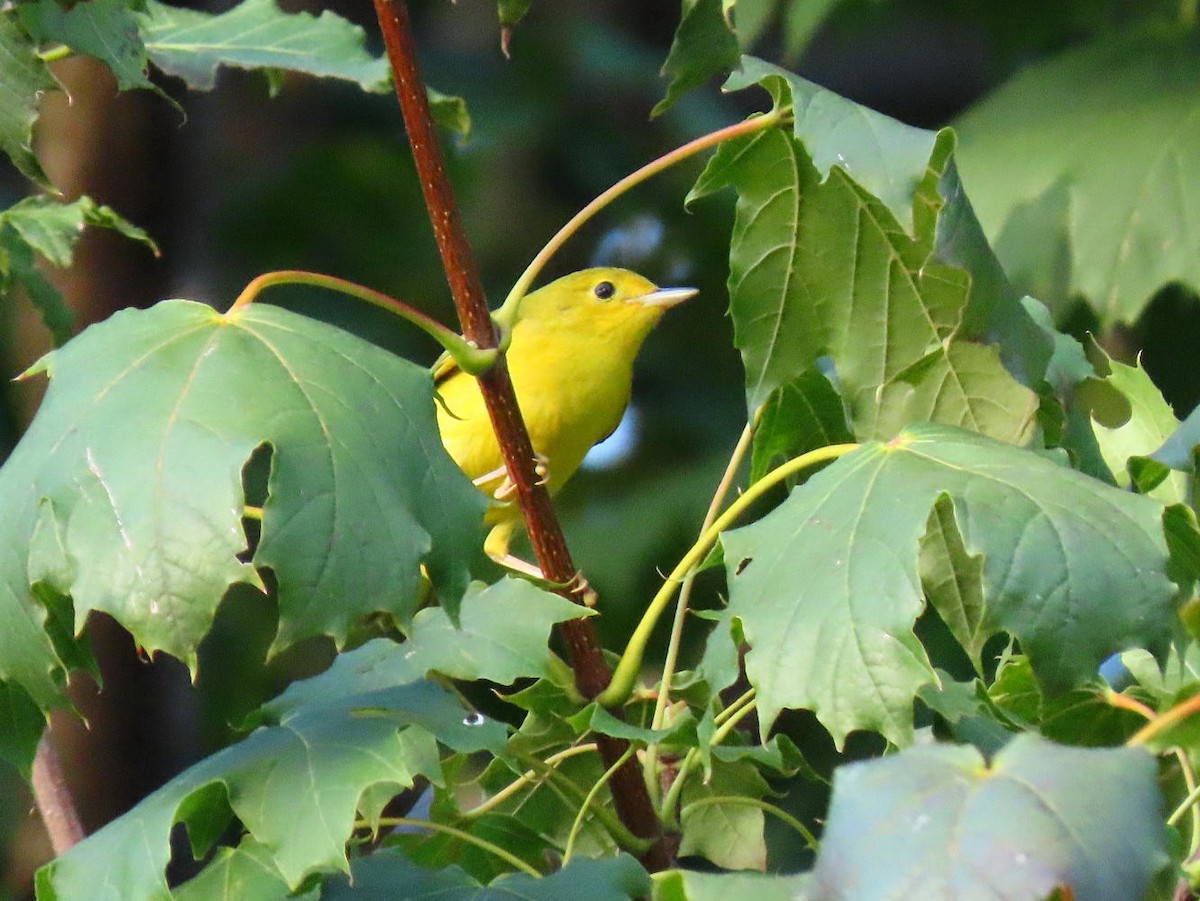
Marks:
<point>571,363</point>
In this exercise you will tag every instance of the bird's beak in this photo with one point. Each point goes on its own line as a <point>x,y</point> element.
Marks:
<point>665,297</point>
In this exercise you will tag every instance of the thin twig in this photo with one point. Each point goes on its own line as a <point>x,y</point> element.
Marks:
<point>592,673</point>
<point>53,799</point>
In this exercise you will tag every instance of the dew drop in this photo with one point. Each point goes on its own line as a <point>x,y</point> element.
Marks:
<point>473,719</point>
<point>154,607</point>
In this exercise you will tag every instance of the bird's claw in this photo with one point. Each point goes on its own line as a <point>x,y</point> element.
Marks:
<point>582,589</point>
<point>507,488</point>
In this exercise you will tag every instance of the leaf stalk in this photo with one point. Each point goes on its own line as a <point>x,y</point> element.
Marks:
<point>483,844</point>
<point>471,358</point>
<point>507,313</point>
<point>625,676</point>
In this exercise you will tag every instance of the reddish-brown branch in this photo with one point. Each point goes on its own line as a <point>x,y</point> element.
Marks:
<point>53,799</point>
<point>545,536</point>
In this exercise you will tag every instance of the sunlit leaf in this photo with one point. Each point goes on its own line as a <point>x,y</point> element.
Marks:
<point>257,34</point>
<point>126,495</point>
<point>852,241</point>
<point>1131,420</point>
<point>827,586</point>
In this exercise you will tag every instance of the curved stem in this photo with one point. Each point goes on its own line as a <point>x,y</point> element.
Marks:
<point>472,359</point>
<point>1188,803</point>
<point>1124,702</point>
<point>483,844</point>
<point>576,826</point>
<point>804,831</point>
<point>685,593</point>
<point>1165,721</point>
<point>529,776</point>
<point>54,54</point>
<point>733,710</point>
<point>507,314</point>
<point>625,676</point>
<point>613,826</point>
<point>667,813</point>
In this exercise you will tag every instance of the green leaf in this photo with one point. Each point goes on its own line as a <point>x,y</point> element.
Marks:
<point>803,415</point>
<point>887,158</point>
<point>801,22</point>
<point>294,787</point>
<point>594,718</point>
<point>730,835</point>
<point>143,520</point>
<point>688,885</point>
<point>25,78</point>
<point>703,46</point>
<point>1079,167</point>
<point>437,850</point>
<point>104,29</point>
<point>1131,420</point>
<point>952,579</point>
<point>822,265</point>
<point>826,587</point>
<point>52,229</point>
<point>391,877</point>
<point>21,725</point>
<point>256,34</point>
<point>511,12</point>
<point>937,822</point>
<point>18,269</point>
<point>1178,451</point>
<point>450,112</point>
<point>1078,717</point>
<point>235,874</point>
<point>501,636</point>
<point>1178,676</point>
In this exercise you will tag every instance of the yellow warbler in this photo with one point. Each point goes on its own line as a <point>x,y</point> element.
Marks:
<point>571,362</point>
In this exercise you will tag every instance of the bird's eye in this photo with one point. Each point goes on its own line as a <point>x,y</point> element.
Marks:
<point>604,290</point>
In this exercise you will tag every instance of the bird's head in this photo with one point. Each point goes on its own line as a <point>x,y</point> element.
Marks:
<point>603,303</point>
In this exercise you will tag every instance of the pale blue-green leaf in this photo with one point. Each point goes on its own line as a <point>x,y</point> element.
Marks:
<point>938,822</point>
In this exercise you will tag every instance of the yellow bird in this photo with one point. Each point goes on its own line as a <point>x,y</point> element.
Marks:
<point>571,363</point>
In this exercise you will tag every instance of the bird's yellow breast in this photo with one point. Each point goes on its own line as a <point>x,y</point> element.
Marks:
<point>571,364</point>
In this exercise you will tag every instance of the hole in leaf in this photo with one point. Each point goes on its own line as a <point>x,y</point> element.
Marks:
<point>256,475</point>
